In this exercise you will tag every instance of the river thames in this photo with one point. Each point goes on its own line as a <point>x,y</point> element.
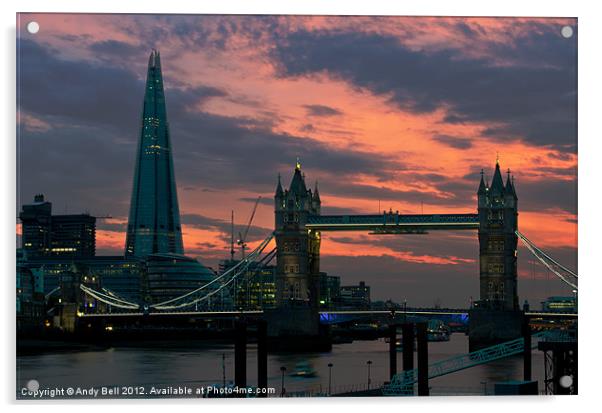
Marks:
<point>205,364</point>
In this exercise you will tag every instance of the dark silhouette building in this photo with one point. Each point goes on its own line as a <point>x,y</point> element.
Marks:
<point>298,260</point>
<point>47,235</point>
<point>154,221</point>
<point>330,290</point>
<point>498,223</point>
<point>355,296</point>
<point>298,270</point>
<point>496,317</point>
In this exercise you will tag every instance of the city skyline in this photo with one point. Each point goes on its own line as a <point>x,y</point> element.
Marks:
<point>232,135</point>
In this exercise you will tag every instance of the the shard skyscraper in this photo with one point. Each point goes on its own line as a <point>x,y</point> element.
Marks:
<point>154,221</point>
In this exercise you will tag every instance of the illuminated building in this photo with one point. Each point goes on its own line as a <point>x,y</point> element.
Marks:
<point>47,235</point>
<point>154,220</point>
<point>256,289</point>
<point>559,304</point>
<point>123,275</point>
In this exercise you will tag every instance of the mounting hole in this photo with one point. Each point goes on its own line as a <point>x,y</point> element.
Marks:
<point>566,32</point>
<point>33,27</point>
<point>33,385</point>
<point>566,381</point>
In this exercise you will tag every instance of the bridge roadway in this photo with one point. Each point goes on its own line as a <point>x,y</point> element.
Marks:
<point>341,312</point>
<point>393,222</point>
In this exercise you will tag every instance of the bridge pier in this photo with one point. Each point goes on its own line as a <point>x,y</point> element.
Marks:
<point>392,350</point>
<point>240,354</point>
<point>527,362</point>
<point>262,356</point>
<point>407,337</point>
<point>423,359</point>
<point>488,327</point>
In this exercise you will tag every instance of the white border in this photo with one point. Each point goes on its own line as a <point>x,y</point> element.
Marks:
<point>589,187</point>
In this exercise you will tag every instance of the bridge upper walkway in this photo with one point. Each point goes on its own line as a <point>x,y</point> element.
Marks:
<point>393,222</point>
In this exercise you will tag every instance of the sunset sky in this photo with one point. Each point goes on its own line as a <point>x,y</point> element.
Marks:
<point>401,112</point>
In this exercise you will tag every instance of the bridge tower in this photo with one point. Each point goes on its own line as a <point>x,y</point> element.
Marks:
<point>497,315</point>
<point>298,260</point>
<point>498,222</point>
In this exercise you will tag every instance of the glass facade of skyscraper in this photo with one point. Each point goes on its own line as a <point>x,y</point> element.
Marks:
<point>154,221</point>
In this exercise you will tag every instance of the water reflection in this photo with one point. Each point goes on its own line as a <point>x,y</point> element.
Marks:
<point>204,366</point>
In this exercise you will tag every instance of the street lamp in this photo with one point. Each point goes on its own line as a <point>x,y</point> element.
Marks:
<point>283,391</point>
<point>329,379</point>
<point>369,363</point>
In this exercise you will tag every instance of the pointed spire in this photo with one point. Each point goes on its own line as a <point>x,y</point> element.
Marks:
<point>154,61</point>
<point>279,191</point>
<point>157,59</point>
<point>298,184</point>
<point>510,186</point>
<point>316,192</point>
<point>497,184</point>
<point>482,187</point>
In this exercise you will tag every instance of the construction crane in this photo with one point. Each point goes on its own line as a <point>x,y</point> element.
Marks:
<point>242,238</point>
<point>232,237</point>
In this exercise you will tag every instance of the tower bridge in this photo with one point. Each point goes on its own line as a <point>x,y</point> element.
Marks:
<point>298,235</point>
<point>299,224</point>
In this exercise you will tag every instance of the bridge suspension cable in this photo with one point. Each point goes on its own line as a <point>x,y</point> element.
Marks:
<point>107,299</point>
<point>227,278</point>
<point>550,263</point>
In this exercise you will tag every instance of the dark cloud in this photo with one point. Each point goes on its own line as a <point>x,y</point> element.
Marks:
<point>533,98</point>
<point>547,195</point>
<point>454,141</point>
<point>102,224</point>
<point>115,49</point>
<point>322,110</point>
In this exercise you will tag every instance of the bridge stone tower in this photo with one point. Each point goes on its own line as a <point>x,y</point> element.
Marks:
<point>298,259</point>
<point>498,223</point>
<point>497,316</point>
